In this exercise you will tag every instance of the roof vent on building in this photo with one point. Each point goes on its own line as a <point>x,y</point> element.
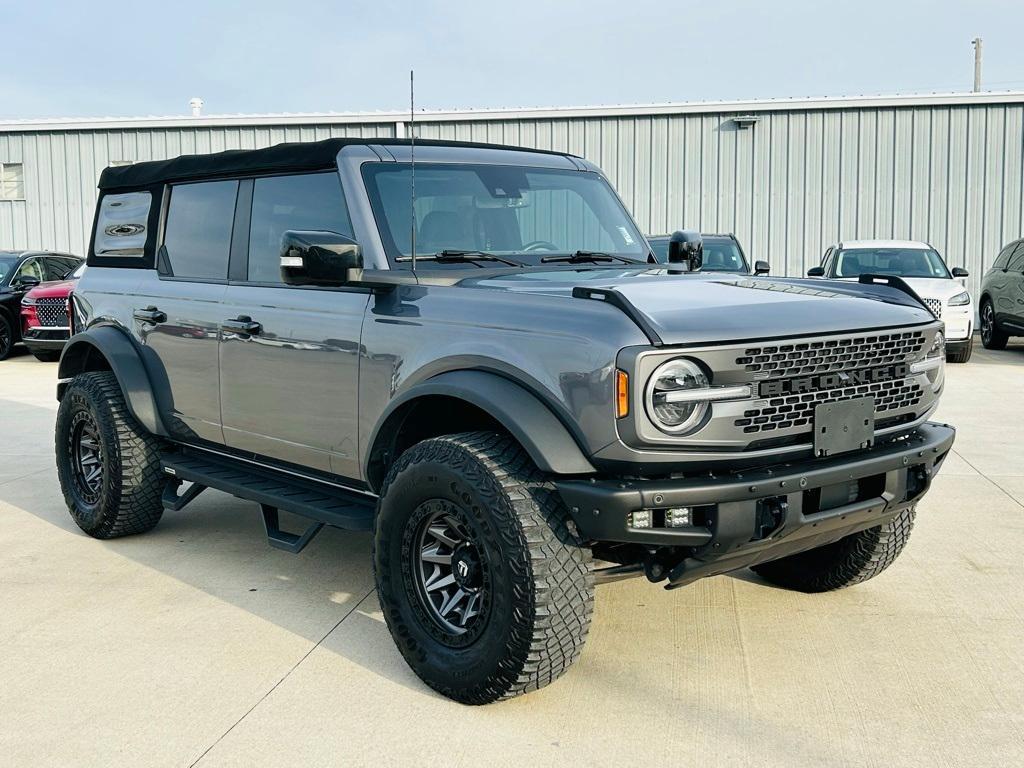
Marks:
<point>197,106</point>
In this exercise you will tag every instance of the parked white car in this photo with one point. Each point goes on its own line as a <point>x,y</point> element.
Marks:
<point>923,269</point>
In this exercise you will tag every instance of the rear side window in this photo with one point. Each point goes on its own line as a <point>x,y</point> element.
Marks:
<point>197,237</point>
<point>280,203</point>
<point>121,224</point>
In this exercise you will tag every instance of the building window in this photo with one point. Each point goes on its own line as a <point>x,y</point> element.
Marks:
<point>12,181</point>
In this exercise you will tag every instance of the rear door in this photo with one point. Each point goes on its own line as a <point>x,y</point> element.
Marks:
<point>178,310</point>
<point>289,389</point>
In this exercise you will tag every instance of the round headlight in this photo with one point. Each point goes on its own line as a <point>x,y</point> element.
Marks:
<point>670,415</point>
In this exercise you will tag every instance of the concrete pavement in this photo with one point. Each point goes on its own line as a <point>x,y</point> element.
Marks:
<point>197,644</point>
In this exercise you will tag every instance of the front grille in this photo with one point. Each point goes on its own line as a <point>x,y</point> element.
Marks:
<point>934,305</point>
<point>814,357</point>
<point>52,313</point>
<point>798,410</point>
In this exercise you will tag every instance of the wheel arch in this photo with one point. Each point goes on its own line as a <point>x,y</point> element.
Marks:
<point>106,348</point>
<point>468,400</point>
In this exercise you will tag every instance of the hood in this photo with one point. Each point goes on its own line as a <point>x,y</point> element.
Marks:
<point>58,289</point>
<point>699,308</point>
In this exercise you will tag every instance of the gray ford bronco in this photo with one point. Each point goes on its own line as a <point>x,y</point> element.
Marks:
<point>467,350</point>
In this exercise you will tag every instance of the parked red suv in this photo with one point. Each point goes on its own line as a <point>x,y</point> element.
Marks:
<point>45,326</point>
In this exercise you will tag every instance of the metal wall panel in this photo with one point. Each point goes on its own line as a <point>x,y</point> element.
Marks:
<point>796,181</point>
<point>62,168</point>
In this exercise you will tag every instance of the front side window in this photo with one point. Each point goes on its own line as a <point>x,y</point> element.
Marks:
<point>899,262</point>
<point>523,213</point>
<point>1004,256</point>
<point>12,181</point>
<point>197,236</point>
<point>7,263</point>
<point>31,268</point>
<point>281,203</point>
<point>1016,262</point>
<point>659,247</point>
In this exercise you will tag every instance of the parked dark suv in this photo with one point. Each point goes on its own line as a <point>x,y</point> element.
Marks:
<point>490,377</point>
<point>1002,298</point>
<point>21,271</point>
<point>722,253</point>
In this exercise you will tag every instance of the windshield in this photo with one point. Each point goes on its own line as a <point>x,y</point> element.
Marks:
<point>524,213</point>
<point>901,262</point>
<point>721,254</point>
<point>77,272</point>
<point>7,263</point>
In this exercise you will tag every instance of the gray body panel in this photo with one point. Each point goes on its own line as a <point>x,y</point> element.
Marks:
<point>291,391</point>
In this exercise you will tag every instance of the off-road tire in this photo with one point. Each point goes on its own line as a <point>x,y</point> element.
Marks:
<point>129,496</point>
<point>960,353</point>
<point>541,593</point>
<point>46,355</point>
<point>851,560</point>
<point>6,337</point>
<point>994,338</point>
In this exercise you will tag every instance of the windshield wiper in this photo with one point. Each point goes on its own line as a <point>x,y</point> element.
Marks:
<point>581,257</point>
<point>451,256</point>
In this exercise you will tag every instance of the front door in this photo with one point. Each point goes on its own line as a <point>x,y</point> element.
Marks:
<point>289,356</point>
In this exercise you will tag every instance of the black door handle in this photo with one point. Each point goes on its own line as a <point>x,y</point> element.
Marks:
<point>150,315</point>
<point>243,325</point>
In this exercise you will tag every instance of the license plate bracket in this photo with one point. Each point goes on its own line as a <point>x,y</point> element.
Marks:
<point>847,425</point>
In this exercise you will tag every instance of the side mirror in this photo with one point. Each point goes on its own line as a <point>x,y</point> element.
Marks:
<point>816,272</point>
<point>686,248</point>
<point>960,272</point>
<point>320,258</point>
<point>25,282</point>
<point>762,268</point>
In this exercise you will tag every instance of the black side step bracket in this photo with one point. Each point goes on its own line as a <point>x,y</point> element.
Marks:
<point>323,503</point>
<point>279,539</point>
<point>173,501</point>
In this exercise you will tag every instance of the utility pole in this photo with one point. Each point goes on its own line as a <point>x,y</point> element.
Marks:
<point>976,42</point>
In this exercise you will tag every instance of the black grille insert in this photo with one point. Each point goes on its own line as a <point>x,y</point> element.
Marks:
<point>788,411</point>
<point>825,356</point>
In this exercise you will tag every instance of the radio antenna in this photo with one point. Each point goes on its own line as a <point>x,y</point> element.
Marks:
<point>412,163</point>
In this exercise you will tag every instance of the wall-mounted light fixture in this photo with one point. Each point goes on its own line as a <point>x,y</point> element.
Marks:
<point>745,121</point>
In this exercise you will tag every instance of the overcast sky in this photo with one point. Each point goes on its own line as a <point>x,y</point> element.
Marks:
<point>139,58</point>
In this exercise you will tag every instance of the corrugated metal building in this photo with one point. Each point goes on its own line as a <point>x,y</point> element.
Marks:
<point>789,177</point>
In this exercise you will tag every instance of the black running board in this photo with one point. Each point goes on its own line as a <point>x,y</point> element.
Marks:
<point>322,503</point>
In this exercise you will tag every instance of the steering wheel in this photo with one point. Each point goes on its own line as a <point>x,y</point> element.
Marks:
<point>541,245</point>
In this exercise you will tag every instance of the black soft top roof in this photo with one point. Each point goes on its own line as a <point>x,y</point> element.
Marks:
<point>295,156</point>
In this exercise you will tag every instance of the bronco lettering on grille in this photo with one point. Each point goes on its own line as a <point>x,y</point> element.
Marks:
<point>832,380</point>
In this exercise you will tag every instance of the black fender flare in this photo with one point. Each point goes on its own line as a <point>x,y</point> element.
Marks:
<point>526,417</point>
<point>114,346</point>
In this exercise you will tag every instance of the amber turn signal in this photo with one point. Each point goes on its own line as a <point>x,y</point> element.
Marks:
<point>621,394</point>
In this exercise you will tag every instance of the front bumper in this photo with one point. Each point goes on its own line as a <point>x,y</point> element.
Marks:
<point>43,338</point>
<point>763,514</point>
<point>958,322</point>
